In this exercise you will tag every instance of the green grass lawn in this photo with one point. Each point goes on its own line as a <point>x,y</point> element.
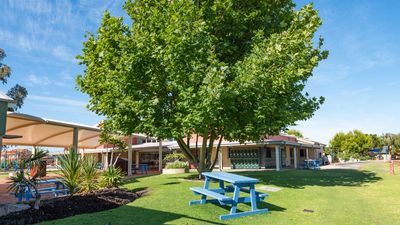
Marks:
<point>367,196</point>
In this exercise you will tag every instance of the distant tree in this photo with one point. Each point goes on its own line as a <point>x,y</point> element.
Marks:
<point>296,133</point>
<point>393,141</point>
<point>377,141</point>
<point>229,69</point>
<point>18,93</point>
<point>354,144</point>
<point>5,71</point>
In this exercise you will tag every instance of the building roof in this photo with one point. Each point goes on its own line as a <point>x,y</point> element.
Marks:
<point>5,98</point>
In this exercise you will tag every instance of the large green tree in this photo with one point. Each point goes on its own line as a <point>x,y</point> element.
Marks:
<point>226,69</point>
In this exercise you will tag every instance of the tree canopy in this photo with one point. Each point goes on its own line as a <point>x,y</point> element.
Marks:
<point>296,133</point>
<point>357,144</point>
<point>229,69</point>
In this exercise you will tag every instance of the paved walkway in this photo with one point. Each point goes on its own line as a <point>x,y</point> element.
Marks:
<point>6,197</point>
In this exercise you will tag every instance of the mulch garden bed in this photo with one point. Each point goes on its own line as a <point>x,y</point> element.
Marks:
<point>57,208</point>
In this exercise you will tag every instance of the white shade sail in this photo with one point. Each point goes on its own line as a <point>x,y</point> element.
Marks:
<point>37,131</point>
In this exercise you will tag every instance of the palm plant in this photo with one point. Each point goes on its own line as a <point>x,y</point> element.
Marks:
<point>111,177</point>
<point>89,174</point>
<point>21,182</point>
<point>70,166</point>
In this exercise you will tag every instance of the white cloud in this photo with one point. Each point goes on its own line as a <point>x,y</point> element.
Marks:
<point>34,80</point>
<point>63,53</point>
<point>58,101</point>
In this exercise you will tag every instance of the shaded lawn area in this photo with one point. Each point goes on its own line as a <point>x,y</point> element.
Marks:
<point>337,196</point>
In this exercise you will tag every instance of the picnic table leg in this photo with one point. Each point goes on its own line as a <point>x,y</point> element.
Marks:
<point>204,197</point>
<point>236,193</point>
<point>221,184</point>
<point>253,198</point>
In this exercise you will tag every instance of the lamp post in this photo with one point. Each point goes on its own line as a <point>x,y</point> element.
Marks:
<point>5,102</point>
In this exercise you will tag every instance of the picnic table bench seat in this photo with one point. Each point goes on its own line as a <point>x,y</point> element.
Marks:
<point>213,194</point>
<point>260,195</point>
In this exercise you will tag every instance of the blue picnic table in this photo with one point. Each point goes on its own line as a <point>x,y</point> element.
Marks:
<point>56,190</point>
<point>239,184</point>
<point>311,164</point>
<point>143,168</point>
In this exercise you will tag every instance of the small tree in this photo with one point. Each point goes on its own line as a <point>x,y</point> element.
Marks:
<point>70,166</point>
<point>109,136</point>
<point>89,174</point>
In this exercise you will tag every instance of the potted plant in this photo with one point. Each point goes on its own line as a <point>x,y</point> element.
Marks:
<point>174,164</point>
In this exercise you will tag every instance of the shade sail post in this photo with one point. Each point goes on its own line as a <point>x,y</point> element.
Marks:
<point>75,139</point>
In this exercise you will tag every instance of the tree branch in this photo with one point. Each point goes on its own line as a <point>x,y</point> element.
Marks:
<point>217,152</point>
<point>186,151</point>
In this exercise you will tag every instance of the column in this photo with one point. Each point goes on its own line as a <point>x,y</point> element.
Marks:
<point>263,157</point>
<point>137,159</point>
<point>307,153</point>
<point>220,159</point>
<point>82,153</point>
<point>287,158</point>
<point>295,157</point>
<point>278,157</point>
<point>159,155</point>
<point>130,155</point>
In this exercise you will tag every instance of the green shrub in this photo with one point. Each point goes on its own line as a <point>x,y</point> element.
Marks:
<point>70,167</point>
<point>176,165</point>
<point>89,174</point>
<point>172,157</point>
<point>111,177</point>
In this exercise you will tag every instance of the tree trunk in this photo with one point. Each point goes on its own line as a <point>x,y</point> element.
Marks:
<point>112,157</point>
<point>203,160</point>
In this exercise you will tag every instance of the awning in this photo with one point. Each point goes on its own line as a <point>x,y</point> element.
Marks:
<point>37,131</point>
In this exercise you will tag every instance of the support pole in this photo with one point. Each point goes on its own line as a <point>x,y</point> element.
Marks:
<point>130,155</point>
<point>295,157</point>
<point>75,139</point>
<point>159,155</point>
<point>277,157</point>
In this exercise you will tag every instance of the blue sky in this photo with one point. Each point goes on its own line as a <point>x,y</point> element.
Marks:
<point>359,79</point>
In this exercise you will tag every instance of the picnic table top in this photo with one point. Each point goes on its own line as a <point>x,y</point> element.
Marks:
<point>230,177</point>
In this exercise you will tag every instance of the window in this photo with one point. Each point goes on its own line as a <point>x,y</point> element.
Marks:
<point>302,153</point>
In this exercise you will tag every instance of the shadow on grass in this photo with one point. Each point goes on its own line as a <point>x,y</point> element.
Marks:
<point>138,215</point>
<point>324,178</point>
<point>171,183</point>
<point>260,205</point>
